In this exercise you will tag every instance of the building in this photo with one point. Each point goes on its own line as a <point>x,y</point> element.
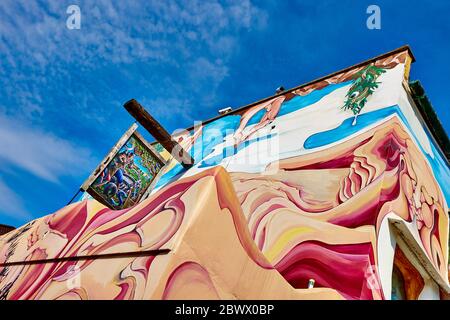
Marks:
<point>5,229</point>
<point>335,189</point>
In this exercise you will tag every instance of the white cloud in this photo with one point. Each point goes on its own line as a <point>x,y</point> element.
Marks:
<point>40,153</point>
<point>52,78</point>
<point>122,31</point>
<point>37,50</point>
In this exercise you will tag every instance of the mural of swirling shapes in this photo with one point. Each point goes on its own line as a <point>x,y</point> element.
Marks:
<point>319,216</point>
<point>227,231</point>
<point>170,246</point>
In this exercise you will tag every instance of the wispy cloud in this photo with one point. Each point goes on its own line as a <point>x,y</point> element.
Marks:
<point>62,90</point>
<point>186,36</point>
<point>40,153</point>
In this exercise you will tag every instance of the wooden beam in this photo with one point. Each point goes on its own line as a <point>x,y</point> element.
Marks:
<point>159,133</point>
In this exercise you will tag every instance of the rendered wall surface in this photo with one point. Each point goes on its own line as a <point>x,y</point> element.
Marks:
<point>292,189</point>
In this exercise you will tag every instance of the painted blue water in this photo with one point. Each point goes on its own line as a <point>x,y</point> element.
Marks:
<point>172,175</point>
<point>212,135</point>
<point>346,128</point>
<point>138,163</point>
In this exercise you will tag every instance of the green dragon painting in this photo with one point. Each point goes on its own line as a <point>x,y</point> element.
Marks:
<point>363,86</point>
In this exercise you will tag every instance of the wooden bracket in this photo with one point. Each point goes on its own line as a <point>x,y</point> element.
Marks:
<point>159,133</point>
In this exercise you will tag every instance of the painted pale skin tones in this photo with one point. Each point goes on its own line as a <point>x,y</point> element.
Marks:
<point>272,108</point>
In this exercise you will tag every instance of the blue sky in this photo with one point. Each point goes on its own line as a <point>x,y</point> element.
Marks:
<point>62,91</point>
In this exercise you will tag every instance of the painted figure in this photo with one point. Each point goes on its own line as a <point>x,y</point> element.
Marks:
<point>272,108</point>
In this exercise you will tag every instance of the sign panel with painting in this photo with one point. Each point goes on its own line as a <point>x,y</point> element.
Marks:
<point>133,169</point>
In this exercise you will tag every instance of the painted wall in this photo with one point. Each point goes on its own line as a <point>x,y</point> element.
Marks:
<point>292,189</point>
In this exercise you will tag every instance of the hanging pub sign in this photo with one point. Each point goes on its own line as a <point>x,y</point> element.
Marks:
<point>129,170</point>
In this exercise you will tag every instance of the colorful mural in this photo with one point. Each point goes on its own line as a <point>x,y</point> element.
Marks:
<point>129,174</point>
<point>282,192</point>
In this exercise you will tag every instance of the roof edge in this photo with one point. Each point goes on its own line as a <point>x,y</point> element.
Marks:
<point>379,57</point>
<point>431,119</point>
